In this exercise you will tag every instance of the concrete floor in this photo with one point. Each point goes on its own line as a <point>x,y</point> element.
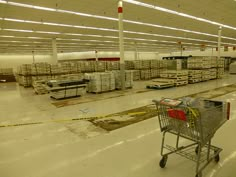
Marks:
<point>72,149</point>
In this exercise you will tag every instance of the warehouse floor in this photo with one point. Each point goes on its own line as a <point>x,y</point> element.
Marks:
<point>60,147</point>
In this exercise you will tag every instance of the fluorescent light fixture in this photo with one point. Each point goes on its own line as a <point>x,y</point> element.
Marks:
<point>177,13</point>
<point>114,37</point>
<point>129,21</point>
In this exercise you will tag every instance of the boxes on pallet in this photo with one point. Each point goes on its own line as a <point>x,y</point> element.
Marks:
<point>129,82</point>
<point>180,76</point>
<point>25,81</point>
<point>100,66</point>
<point>206,75</point>
<point>112,65</point>
<point>145,74</point>
<point>100,82</point>
<point>154,73</point>
<point>142,64</point>
<point>155,64</point>
<point>136,75</point>
<point>40,87</point>
<point>40,69</point>
<point>194,76</point>
<point>213,73</point>
<point>24,69</point>
<point>129,65</point>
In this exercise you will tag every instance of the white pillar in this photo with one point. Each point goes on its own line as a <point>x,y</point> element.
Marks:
<point>136,52</point>
<point>219,41</point>
<point>54,51</point>
<point>181,50</point>
<point>121,43</point>
<point>33,57</point>
<point>96,55</point>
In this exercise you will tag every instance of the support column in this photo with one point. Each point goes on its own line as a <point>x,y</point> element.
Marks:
<point>33,56</point>
<point>96,55</point>
<point>136,52</point>
<point>54,51</point>
<point>219,41</point>
<point>121,44</point>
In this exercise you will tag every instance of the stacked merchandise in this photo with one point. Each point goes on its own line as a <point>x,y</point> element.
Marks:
<point>213,73</point>
<point>220,67</point>
<point>142,64</point>
<point>7,75</point>
<point>100,66</point>
<point>25,81</point>
<point>55,70</point>
<point>129,65</point>
<point>66,67</point>
<point>40,87</point>
<point>180,76</point>
<point>194,76</point>
<point>100,82</point>
<point>128,79</point>
<point>40,69</point>
<point>136,75</point>
<point>206,64</point>
<point>154,73</point>
<point>206,75</point>
<point>145,74</point>
<point>113,65</point>
<point>87,66</point>
<point>24,75</point>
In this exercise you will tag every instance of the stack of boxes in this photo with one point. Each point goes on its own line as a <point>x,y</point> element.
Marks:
<point>100,82</point>
<point>179,76</point>
<point>129,81</point>
<point>194,76</point>
<point>114,65</point>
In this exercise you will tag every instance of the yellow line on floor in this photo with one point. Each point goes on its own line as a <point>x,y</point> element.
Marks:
<point>68,120</point>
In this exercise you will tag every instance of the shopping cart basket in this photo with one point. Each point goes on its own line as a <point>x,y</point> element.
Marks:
<point>196,122</point>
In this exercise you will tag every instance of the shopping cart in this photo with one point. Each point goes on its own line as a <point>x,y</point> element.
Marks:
<point>196,120</point>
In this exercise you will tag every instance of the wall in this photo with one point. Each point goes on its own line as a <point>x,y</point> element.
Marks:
<point>12,61</point>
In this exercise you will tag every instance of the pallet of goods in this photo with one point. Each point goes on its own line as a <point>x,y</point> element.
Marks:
<point>112,65</point>
<point>100,82</point>
<point>129,81</point>
<point>100,66</point>
<point>154,73</point>
<point>206,75</point>
<point>180,76</point>
<point>194,76</point>
<point>129,65</point>
<point>40,87</point>
<point>136,75</point>
<point>145,74</point>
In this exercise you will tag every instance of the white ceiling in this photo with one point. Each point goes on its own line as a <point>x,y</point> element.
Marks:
<point>102,34</point>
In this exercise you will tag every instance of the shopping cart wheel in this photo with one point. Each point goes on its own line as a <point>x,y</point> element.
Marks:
<point>163,161</point>
<point>217,158</point>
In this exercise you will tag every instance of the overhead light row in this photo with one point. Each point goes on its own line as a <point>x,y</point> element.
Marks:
<point>128,21</point>
<point>178,13</point>
<point>107,29</point>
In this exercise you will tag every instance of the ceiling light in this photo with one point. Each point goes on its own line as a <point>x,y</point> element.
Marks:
<point>177,13</point>
<point>129,21</point>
